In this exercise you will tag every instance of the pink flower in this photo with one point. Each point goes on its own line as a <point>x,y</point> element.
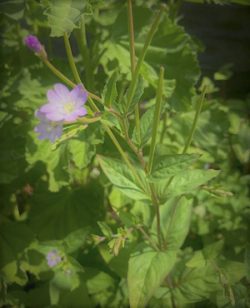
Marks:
<point>33,43</point>
<point>47,129</point>
<point>53,258</point>
<point>65,105</point>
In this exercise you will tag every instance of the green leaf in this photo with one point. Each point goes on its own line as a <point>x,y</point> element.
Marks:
<point>145,126</point>
<point>82,152</point>
<point>66,281</point>
<point>171,47</point>
<point>138,94</point>
<point>12,153</point>
<point>118,199</point>
<point>63,16</point>
<point>247,261</point>
<point>235,271</point>
<point>208,254</point>
<point>196,285</point>
<point>120,176</point>
<point>101,287</point>
<point>14,9</point>
<point>110,92</point>
<point>171,164</point>
<point>183,183</point>
<point>175,221</point>
<point>54,294</point>
<point>56,215</point>
<point>15,237</point>
<point>75,240</point>
<point>147,269</point>
<point>76,298</point>
<point>106,230</point>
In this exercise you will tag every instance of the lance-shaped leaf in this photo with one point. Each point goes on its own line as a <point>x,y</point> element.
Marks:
<point>110,92</point>
<point>146,124</point>
<point>147,269</point>
<point>184,182</point>
<point>171,164</point>
<point>138,94</point>
<point>175,221</point>
<point>120,176</point>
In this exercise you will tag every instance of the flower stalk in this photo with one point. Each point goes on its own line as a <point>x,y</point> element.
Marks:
<point>156,122</point>
<point>132,61</point>
<point>71,59</point>
<point>194,125</point>
<point>132,87</point>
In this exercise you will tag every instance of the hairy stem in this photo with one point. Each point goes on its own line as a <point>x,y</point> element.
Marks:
<point>198,111</point>
<point>67,81</point>
<point>119,148</point>
<point>71,59</point>
<point>156,122</point>
<point>132,87</point>
<point>58,73</point>
<point>132,61</point>
<point>137,151</point>
<point>157,212</point>
<point>83,45</point>
<point>147,237</point>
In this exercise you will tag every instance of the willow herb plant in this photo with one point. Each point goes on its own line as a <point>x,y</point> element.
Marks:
<point>107,218</point>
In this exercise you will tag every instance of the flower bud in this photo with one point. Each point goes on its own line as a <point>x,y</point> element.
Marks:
<point>34,44</point>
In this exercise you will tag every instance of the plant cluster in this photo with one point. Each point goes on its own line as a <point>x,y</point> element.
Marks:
<point>125,176</point>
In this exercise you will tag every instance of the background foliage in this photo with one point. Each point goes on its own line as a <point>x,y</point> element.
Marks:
<point>78,197</point>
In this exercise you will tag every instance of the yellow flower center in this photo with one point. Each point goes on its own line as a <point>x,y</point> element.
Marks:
<point>68,107</point>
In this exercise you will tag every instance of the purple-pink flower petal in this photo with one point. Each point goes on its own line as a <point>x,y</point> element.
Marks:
<point>33,43</point>
<point>53,258</point>
<point>79,94</point>
<point>65,105</point>
<point>47,129</point>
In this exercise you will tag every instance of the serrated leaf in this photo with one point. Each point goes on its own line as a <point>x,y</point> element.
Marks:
<point>171,164</point>
<point>120,176</point>
<point>63,16</point>
<point>147,269</point>
<point>56,215</point>
<point>110,92</point>
<point>81,152</point>
<point>15,237</point>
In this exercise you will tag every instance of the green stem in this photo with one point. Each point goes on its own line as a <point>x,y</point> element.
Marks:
<point>132,61</point>
<point>119,148</point>
<point>131,36</point>
<point>107,129</point>
<point>66,80</point>
<point>123,155</point>
<point>83,45</point>
<point>132,88</point>
<point>156,120</point>
<point>58,73</point>
<point>198,111</point>
<point>164,127</point>
<point>71,59</point>
<point>147,237</point>
<point>157,212</point>
<point>137,151</point>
